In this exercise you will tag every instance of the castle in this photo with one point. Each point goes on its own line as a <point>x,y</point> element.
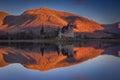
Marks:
<point>66,31</point>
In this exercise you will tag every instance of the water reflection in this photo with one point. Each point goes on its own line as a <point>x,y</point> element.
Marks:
<point>47,56</point>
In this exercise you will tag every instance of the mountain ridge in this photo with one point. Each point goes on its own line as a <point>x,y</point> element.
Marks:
<point>31,21</point>
<point>2,16</point>
<point>51,18</point>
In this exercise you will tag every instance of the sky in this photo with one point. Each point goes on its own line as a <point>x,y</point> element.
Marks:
<point>102,11</point>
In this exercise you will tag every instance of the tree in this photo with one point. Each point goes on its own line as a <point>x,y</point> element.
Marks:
<point>42,30</point>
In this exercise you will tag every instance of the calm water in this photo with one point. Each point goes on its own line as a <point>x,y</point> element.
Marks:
<point>88,60</point>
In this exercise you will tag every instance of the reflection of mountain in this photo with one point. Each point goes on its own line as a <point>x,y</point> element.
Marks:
<point>110,48</point>
<point>2,61</point>
<point>49,56</point>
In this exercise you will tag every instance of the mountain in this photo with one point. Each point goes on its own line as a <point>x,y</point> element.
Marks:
<point>2,16</point>
<point>112,28</point>
<point>110,31</point>
<point>45,17</point>
<point>32,21</point>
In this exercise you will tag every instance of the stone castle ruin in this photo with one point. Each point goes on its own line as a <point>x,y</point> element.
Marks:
<point>67,31</point>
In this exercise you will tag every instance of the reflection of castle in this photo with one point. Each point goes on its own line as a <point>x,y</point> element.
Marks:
<point>68,51</point>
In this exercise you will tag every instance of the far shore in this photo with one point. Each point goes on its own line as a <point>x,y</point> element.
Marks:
<point>55,40</point>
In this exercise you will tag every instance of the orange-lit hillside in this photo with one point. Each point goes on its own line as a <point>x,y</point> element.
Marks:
<point>51,18</point>
<point>2,16</point>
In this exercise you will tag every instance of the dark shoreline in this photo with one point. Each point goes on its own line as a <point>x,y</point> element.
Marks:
<point>54,40</point>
